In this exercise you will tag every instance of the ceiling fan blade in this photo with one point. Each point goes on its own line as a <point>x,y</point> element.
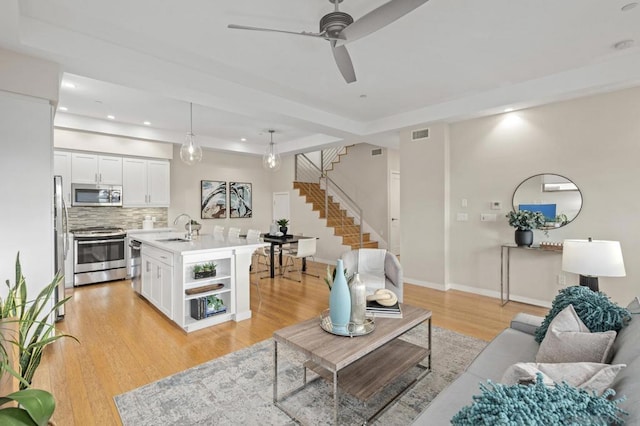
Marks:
<point>343,60</point>
<point>270,30</point>
<point>377,19</point>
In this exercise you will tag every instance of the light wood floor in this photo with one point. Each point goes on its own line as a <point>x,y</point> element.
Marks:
<point>125,343</point>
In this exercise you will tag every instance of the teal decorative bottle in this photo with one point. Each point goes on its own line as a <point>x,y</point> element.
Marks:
<point>340,301</point>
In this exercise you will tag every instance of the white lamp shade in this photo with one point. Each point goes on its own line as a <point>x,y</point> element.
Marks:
<point>593,258</point>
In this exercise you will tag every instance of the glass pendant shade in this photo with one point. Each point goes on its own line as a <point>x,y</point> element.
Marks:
<point>190,151</point>
<point>271,159</point>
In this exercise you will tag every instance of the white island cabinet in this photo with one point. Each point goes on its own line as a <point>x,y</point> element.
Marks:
<point>177,278</point>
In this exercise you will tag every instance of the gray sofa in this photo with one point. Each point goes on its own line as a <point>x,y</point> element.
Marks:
<point>517,344</point>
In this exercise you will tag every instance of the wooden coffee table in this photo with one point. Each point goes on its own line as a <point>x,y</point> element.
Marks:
<point>360,366</point>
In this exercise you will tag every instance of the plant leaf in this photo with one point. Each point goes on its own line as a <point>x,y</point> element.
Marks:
<point>37,403</point>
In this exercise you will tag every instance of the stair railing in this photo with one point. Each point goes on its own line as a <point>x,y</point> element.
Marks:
<point>308,171</point>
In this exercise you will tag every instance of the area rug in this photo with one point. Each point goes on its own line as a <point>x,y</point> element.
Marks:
<point>238,389</point>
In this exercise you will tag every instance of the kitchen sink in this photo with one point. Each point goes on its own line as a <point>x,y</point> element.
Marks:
<point>167,240</point>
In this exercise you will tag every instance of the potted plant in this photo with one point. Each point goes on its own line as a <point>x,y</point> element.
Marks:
<point>26,331</point>
<point>283,225</point>
<point>525,221</point>
<point>215,305</point>
<point>204,270</point>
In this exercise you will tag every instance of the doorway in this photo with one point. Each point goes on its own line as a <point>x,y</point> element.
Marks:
<point>394,213</point>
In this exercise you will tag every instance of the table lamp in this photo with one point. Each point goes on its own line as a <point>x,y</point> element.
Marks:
<point>592,259</point>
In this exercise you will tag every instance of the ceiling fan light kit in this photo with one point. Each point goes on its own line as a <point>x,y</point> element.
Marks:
<point>339,28</point>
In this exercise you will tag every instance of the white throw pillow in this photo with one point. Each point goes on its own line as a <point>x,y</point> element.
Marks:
<point>569,340</point>
<point>590,376</point>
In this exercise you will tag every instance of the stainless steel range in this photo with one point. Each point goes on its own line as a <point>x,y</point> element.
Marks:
<point>99,255</point>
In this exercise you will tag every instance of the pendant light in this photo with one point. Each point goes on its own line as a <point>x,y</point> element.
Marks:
<point>271,158</point>
<point>190,151</point>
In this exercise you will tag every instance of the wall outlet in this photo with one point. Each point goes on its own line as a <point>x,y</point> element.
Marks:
<point>463,202</point>
<point>462,217</point>
<point>562,280</point>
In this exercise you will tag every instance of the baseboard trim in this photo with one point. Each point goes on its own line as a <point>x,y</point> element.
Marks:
<point>479,291</point>
<point>241,316</point>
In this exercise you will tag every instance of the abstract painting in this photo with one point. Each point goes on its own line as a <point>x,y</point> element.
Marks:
<point>214,199</point>
<point>240,200</point>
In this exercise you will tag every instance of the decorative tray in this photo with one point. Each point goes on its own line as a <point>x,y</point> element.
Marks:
<point>326,325</point>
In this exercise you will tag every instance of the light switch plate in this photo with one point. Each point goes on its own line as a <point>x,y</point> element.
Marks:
<point>487,217</point>
<point>462,217</point>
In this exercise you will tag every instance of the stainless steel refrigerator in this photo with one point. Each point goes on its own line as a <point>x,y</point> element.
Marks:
<point>60,242</point>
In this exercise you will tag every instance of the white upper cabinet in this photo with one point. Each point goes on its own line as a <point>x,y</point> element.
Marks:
<point>146,183</point>
<point>159,185</point>
<point>92,168</point>
<point>62,167</point>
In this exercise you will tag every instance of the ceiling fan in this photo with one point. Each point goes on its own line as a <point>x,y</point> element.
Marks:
<point>339,28</point>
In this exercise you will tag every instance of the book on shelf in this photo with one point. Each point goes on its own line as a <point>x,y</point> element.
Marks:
<point>200,308</point>
<point>377,310</point>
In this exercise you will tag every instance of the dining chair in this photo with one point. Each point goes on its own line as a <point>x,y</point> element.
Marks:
<point>234,233</point>
<point>306,248</point>
<point>218,232</point>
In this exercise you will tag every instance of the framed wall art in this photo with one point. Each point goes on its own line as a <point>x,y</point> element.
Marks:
<point>240,200</point>
<point>213,203</point>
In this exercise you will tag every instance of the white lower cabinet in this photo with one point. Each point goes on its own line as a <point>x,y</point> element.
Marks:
<point>184,288</point>
<point>202,301</point>
<point>157,278</point>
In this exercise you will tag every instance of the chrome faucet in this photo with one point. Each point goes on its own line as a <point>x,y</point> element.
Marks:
<point>189,234</point>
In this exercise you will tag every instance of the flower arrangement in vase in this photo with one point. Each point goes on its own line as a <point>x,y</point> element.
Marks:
<point>525,221</point>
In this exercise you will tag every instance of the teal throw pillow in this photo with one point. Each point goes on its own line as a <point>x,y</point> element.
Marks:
<point>595,309</point>
<point>538,404</point>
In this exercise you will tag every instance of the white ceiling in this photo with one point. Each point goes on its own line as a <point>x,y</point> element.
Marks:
<point>445,61</point>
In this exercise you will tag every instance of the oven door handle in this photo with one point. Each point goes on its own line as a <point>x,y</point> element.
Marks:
<point>100,241</point>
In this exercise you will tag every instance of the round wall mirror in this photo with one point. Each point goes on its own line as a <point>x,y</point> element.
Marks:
<point>555,196</point>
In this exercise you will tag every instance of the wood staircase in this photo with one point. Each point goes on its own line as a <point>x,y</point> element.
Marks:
<point>342,224</point>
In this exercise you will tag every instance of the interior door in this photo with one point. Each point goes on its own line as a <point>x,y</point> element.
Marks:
<point>281,206</point>
<point>394,213</point>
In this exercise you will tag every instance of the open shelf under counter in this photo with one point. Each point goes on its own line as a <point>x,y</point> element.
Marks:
<point>192,324</point>
<point>207,293</point>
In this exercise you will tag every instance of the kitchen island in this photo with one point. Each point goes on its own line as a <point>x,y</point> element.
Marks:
<point>200,282</point>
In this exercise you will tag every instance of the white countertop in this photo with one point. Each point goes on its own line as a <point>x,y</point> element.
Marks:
<point>148,231</point>
<point>199,244</point>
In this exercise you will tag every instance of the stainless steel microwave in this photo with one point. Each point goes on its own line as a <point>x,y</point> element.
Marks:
<point>96,195</point>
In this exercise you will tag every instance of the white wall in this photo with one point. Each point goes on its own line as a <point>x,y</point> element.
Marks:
<point>94,142</point>
<point>594,141</point>
<point>365,179</point>
<point>220,166</point>
<point>423,207</point>
<point>26,190</point>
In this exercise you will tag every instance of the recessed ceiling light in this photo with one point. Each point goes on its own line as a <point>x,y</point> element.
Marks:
<point>243,139</point>
<point>68,85</point>
<point>147,123</point>
<point>61,108</point>
<point>628,6</point>
<point>623,44</point>
<point>111,117</point>
<point>508,109</point>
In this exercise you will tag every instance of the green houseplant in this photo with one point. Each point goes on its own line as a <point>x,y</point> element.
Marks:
<point>204,270</point>
<point>284,223</point>
<point>525,221</point>
<point>31,333</point>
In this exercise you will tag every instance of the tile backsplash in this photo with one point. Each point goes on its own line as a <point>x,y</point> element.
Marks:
<point>127,218</point>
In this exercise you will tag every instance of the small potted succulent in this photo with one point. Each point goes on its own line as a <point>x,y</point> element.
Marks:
<point>525,221</point>
<point>204,270</point>
<point>215,305</point>
<point>284,223</point>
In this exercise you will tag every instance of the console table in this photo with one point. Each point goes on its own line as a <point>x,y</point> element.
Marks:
<point>505,261</point>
